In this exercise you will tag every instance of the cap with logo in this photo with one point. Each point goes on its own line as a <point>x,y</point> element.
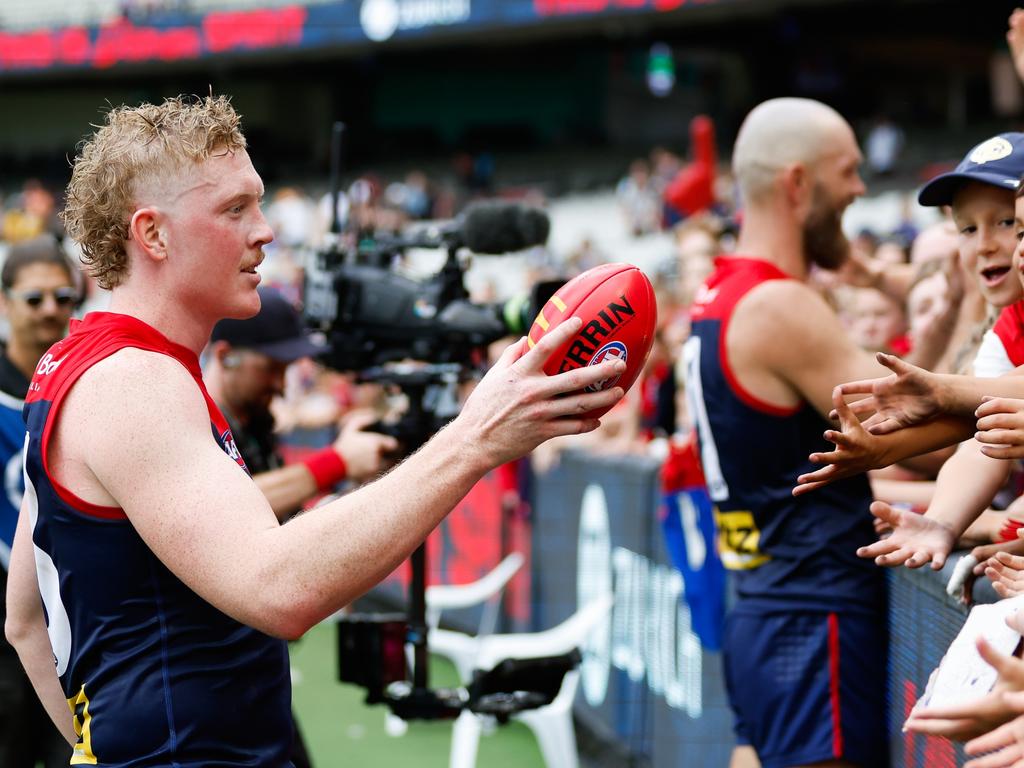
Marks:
<point>276,331</point>
<point>998,161</point>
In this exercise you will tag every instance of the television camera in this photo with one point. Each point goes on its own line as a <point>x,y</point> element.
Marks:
<point>423,337</point>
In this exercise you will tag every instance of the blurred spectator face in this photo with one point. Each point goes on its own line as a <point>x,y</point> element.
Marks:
<point>39,305</point>
<point>638,173</point>
<point>939,241</point>
<point>865,242</point>
<point>876,320</point>
<point>696,250</point>
<point>984,219</point>
<point>925,304</point>
<point>252,380</point>
<point>38,201</point>
<point>891,253</point>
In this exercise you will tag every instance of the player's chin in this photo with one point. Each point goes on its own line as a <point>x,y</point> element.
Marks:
<point>245,304</point>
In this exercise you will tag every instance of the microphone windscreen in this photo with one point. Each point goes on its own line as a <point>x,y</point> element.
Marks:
<point>534,226</point>
<point>494,227</point>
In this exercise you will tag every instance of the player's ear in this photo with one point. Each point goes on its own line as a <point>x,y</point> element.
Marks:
<point>796,184</point>
<point>146,228</point>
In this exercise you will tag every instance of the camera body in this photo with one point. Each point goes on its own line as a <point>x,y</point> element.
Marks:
<point>372,315</point>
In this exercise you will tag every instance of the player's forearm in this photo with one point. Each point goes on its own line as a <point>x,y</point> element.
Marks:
<point>25,628</point>
<point>965,487</point>
<point>33,646</point>
<point>360,538</point>
<point>286,488</point>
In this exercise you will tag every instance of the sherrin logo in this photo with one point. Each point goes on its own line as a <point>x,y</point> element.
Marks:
<point>612,350</point>
<point>995,148</point>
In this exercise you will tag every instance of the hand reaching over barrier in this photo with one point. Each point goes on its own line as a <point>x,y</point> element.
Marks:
<point>1006,571</point>
<point>1008,739</point>
<point>910,396</point>
<point>978,716</point>
<point>1001,427</point>
<point>856,451</point>
<point>915,539</point>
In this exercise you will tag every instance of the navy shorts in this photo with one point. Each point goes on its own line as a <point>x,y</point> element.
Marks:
<point>808,686</point>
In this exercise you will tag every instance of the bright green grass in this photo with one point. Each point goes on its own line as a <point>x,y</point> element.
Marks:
<point>342,732</point>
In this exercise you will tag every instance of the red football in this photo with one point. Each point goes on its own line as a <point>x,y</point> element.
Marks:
<point>617,306</point>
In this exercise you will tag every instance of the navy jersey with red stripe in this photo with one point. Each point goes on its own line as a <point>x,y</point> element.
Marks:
<point>785,551</point>
<point>154,675</point>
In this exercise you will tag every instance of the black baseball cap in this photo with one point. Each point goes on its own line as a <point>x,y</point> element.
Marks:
<point>998,161</point>
<point>276,331</point>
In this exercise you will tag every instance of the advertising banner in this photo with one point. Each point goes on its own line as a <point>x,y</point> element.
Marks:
<point>177,36</point>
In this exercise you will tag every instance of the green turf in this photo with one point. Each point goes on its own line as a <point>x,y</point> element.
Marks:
<point>341,731</point>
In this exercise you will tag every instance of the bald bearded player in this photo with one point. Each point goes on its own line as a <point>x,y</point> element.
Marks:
<point>805,644</point>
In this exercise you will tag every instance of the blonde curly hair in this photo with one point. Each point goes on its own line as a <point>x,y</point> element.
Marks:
<point>135,147</point>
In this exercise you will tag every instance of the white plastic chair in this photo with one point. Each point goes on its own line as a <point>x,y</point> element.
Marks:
<point>551,724</point>
<point>461,649</point>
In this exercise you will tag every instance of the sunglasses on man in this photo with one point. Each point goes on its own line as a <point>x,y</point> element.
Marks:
<point>62,297</point>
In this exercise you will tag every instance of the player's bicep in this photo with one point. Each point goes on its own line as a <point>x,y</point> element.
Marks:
<point>813,353</point>
<point>192,504</point>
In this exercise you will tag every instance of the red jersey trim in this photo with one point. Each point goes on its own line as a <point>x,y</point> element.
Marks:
<point>763,272</point>
<point>833,665</point>
<point>172,350</point>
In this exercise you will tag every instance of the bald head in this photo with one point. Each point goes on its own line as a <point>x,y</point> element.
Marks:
<point>779,133</point>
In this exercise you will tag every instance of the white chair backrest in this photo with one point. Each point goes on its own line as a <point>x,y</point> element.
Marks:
<point>570,634</point>
<point>443,597</point>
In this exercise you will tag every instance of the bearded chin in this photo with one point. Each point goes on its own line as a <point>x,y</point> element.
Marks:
<point>824,241</point>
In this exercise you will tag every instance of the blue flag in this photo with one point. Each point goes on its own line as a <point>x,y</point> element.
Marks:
<point>688,522</point>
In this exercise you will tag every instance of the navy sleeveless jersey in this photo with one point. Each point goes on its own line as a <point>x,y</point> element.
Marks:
<point>12,440</point>
<point>785,551</point>
<point>154,675</point>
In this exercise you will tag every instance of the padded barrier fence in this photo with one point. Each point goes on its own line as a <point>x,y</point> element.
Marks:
<point>648,686</point>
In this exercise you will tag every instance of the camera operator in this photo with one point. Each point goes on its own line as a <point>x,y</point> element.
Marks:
<point>166,577</point>
<point>245,370</point>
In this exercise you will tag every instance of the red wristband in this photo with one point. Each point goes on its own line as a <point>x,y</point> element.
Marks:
<point>1009,531</point>
<point>327,467</point>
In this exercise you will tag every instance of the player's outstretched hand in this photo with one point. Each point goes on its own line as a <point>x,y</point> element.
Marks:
<point>1006,571</point>
<point>1001,427</point>
<point>517,406</point>
<point>978,716</point>
<point>909,396</point>
<point>915,539</point>
<point>856,450</point>
<point>1008,739</point>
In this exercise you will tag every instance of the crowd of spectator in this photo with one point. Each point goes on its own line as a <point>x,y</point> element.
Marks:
<point>939,296</point>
